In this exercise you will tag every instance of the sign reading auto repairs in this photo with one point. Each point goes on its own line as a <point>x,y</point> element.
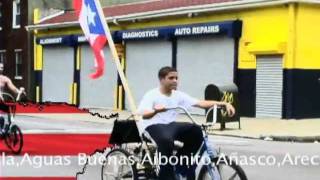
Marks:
<point>197,30</point>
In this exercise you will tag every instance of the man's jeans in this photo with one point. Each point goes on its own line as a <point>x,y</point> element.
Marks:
<point>164,136</point>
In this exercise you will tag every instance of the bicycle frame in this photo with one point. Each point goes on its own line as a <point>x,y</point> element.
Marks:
<point>11,105</point>
<point>204,149</point>
<point>10,132</point>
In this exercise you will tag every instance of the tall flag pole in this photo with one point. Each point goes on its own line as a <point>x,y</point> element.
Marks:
<point>94,10</point>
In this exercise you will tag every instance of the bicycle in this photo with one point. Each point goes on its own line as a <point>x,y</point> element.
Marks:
<point>9,131</point>
<point>125,160</point>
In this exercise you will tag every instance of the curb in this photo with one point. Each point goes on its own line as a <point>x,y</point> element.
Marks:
<point>299,139</point>
<point>236,136</point>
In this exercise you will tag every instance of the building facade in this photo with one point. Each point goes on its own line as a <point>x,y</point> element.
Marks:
<point>267,49</point>
<point>16,44</point>
<point>14,41</point>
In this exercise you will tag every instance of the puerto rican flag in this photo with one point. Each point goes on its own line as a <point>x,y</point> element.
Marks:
<point>55,152</point>
<point>91,24</point>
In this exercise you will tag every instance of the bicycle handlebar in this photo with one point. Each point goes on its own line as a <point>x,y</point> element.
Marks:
<point>214,114</point>
<point>186,111</point>
<point>20,92</point>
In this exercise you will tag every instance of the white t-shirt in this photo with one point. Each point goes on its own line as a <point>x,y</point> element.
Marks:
<point>155,97</point>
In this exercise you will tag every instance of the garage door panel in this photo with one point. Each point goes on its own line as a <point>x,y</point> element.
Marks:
<point>203,61</point>
<point>58,70</point>
<point>98,93</point>
<point>143,61</point>
<point>269,88</point>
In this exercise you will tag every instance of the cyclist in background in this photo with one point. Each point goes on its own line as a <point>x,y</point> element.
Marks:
<point>6,82</point>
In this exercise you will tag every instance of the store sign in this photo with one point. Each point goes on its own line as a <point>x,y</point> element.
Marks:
<point>230,28</point>
<point>82,39</point>
<point>51,41</point>
<point>140,34</point>
<point>69,40</point>
<point>168,32</point>
<point>197,30</point>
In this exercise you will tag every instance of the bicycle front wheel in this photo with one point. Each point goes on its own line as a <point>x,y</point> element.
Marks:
<point>14,139</point>
<point>227,170</point>
<point>118,165</point>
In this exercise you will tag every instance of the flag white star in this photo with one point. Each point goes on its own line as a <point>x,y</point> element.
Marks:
<point>91,15</point>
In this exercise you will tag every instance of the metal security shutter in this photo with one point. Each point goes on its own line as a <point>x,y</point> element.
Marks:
<point>202,61</point>
<point>58,70</point>
<point>143,60</point>
<point>269,84</point>
<point>98,93</point>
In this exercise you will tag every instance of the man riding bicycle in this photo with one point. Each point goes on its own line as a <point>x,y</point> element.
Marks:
<point>5,82</point>
<point>160,123</point>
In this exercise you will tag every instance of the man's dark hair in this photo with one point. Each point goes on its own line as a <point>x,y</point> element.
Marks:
<point>164,71</point>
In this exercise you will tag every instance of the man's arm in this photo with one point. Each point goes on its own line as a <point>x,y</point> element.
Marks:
<point>209,103</point>
<point>147,109</point>
<point>148,114</point>
<point>205,104</point>
<point>11,86</point>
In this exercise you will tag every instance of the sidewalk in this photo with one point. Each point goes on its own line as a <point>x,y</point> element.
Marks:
<point>303,130</point>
